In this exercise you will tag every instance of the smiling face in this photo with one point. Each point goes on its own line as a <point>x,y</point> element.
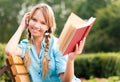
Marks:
<point>37,24</point>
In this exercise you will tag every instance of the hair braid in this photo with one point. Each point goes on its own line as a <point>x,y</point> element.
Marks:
<point>45,61</point>
<point>27,59</point>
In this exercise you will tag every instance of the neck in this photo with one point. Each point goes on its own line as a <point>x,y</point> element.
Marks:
<point>37,41</point>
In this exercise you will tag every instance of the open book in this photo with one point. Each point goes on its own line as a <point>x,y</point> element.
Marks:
<point>75,29</point>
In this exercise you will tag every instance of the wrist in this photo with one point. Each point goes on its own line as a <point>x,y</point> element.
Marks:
<point>70,61</point>
<point>21,27</point>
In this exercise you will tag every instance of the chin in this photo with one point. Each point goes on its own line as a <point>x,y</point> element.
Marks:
<point>37,35</point>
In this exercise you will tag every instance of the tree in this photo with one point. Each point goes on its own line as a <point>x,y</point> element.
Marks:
<point>106,30</point>
<point>88,8</point>
<point>8,18</point>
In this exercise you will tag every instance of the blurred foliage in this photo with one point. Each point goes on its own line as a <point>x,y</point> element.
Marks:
<point>110,79</point>
<point>102,65</point>
<point>9,10</point>
<point>105,35</point>
<point>103,10</point>
<point>6,76</point>
<point>88,8</point>
<point>2,54</point>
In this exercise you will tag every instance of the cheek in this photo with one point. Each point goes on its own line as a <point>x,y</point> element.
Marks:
<point>46,27</point>
<point>30,23</point>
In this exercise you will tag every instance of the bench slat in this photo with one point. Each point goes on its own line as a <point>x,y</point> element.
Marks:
<point>18,69</point>
<point>15,60</point>
<point>22,78</point>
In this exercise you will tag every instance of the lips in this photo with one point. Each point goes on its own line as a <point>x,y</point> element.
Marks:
<point>36,30</point>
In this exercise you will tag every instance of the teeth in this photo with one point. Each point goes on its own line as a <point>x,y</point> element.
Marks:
<point>36,29</point>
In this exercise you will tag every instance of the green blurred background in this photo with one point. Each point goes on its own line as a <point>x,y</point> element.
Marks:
<point>103,37</point>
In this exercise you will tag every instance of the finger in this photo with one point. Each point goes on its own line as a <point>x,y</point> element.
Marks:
<point>76,49</point>
<point>81,45</point>
<point>28,13</point>
<point>27,18</point>
<point>84,39</point>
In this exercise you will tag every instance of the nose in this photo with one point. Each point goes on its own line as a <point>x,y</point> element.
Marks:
<point>37,25</point>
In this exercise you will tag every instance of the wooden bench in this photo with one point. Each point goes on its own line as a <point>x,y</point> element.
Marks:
<point>17,69</point>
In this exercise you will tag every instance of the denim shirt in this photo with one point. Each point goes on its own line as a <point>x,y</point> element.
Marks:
<point>57,62</point>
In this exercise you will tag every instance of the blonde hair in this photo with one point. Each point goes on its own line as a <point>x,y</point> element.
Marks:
<point>50,21</point>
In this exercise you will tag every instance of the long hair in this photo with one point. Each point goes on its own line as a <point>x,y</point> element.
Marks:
<point>50,21</point>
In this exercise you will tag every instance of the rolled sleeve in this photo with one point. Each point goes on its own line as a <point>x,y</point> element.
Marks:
<point>61,61</point>
<point>23,45</point>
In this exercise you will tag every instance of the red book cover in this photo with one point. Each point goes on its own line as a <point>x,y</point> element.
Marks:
<point>74,30</point>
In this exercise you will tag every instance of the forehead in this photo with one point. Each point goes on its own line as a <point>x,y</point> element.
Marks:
<point>38,14</point>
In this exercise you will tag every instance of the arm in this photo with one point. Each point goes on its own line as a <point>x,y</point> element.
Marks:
<point>69,73</point>
<point>12,45</point>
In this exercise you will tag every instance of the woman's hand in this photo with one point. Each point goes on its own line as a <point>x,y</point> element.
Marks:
<point>25,21</point>
<point>69,73</point>
<point>78,50</point>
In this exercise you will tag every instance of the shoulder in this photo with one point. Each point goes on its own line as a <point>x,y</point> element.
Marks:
<point>25,41</point>
<point>54,40</point>
<point>54,44</point>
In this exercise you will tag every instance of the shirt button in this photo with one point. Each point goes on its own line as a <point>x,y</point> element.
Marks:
<point>39,73</point>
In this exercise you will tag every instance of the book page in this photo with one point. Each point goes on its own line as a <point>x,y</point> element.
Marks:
<point>72,19</point>
<point>77,21</point>
<point>67,39</point>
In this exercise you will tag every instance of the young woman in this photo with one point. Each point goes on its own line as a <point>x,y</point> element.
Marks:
<point>40,51</point>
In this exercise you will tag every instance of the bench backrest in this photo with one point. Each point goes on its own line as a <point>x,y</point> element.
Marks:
<point>17,69</point>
